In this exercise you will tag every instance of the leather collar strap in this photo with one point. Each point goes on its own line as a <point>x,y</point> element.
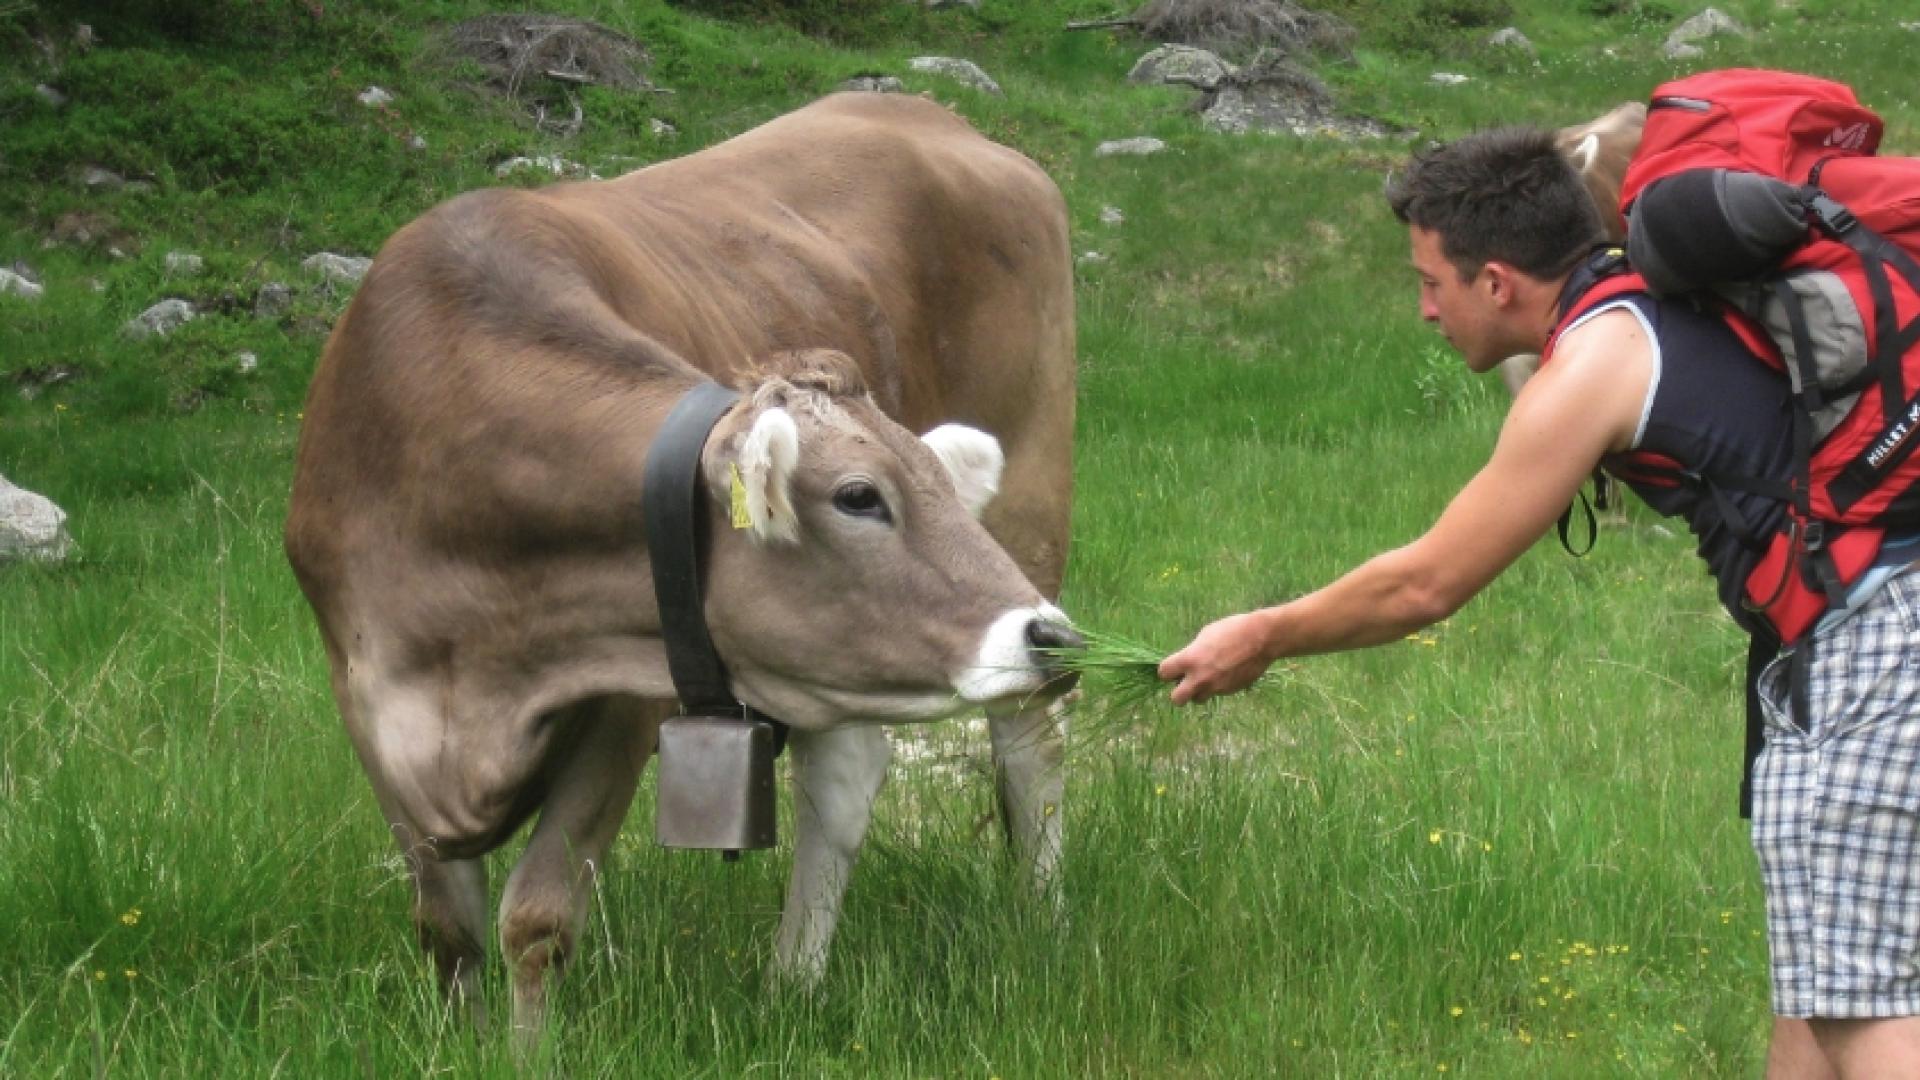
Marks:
<point>675,521</point>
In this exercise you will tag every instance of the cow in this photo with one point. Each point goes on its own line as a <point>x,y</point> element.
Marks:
<point>465,516</point>
<point>1599,152</point>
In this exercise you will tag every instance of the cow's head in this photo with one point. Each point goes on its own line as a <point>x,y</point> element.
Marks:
<point>1599,152</point>
<point>849,576</point>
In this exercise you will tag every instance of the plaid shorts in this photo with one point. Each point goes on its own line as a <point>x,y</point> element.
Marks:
<point>1836,817</point>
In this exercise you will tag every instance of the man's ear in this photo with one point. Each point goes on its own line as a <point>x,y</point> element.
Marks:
<point>973,459</point>
<point>1500,281</point>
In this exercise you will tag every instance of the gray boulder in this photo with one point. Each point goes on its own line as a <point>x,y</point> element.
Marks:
<point>1511,38</point>
<point>1682,44</point>
<point>1138,146</point>
<point>875,84</point>
<point>337,269</point>
<point>1181,65</point>
<point>160,320</point>
<point>31,526</point>
<point>961,71</point>
<point>20,285</point>
<point>274,300</point>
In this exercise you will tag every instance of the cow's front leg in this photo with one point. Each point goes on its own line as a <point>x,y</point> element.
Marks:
<point>1029,750</point>
<point>837,774</point>
<point>450,916</point>
<point>590,783</point>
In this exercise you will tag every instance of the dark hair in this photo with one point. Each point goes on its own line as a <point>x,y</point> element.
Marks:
<point>1506,194</point>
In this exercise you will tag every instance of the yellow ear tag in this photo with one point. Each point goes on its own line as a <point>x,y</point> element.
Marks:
<point>737,498</point>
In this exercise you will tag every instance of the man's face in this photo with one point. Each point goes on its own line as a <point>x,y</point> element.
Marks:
<point>1465,310</point>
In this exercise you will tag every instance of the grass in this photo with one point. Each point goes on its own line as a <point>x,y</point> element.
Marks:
<point>1369,869</point>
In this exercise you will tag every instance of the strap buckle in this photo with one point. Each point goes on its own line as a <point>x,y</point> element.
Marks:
<point>1833,217</point>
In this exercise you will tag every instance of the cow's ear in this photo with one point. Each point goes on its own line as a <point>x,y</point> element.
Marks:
<point>767,458</point>
<point>1584,155</point>
<point>973,459</point>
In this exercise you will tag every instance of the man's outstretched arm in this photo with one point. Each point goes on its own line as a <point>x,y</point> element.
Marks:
<point>1583,405</point>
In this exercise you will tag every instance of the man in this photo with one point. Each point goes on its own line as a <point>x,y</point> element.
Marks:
<point>1503,238</point>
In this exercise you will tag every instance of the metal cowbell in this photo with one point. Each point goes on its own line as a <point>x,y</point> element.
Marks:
<point>716,784</point>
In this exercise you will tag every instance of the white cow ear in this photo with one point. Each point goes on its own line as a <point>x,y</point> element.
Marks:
<point>767,458</point>
<point>1583,155</point>
<point>973,458</point>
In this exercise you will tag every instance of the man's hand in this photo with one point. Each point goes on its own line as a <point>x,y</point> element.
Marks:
<point>1223,657</point>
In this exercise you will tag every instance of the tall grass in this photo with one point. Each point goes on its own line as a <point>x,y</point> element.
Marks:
<point>1505,846</point>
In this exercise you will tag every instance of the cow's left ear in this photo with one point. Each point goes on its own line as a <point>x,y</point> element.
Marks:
<point>765,484</point>
<point>973,459</point>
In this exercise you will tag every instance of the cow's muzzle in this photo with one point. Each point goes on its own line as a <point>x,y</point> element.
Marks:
<point>1047,640</point>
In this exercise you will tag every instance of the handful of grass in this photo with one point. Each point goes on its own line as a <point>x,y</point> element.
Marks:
<point>1120,670</point>
<point>1121,679</point>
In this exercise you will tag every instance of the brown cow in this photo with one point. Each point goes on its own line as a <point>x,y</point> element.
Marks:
<point>466,507</point>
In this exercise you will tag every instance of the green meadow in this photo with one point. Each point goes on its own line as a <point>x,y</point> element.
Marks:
<point>1504,847</point>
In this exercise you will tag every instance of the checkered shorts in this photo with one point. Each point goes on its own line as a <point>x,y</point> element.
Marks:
<point>1836,818</point>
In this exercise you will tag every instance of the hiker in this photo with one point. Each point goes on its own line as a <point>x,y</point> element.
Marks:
<point>1505,244</point>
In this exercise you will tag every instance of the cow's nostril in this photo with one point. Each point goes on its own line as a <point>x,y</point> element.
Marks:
<point>1048,638</point>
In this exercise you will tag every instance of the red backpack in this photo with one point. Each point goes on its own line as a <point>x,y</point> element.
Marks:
<point>1761,189</point>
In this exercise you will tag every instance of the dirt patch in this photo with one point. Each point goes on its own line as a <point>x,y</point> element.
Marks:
<point>1243,27</point>
<point>538,61</point>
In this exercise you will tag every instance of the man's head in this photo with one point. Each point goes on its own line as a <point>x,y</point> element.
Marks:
<point>1498,220</point>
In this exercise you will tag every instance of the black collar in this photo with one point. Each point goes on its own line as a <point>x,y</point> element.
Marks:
<point>670,501</point>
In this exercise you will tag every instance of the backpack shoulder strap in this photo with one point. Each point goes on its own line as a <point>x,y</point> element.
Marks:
<point>1602,277</point>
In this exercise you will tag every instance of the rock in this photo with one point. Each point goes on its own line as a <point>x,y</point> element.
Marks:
<point>32,380</point>
<point>49,95</point>
<point>1138,146</point>
<point>1511,38</point>
<point>1273,111</point>
<point>31,526</point>
<point>1683,51</point>
<point>1710,23</point>
<point>937,5</point>
<point>1180,65</point>
<point>552,166</point>
<point>247,363</point>
<point>417,143</point>
<point>272,301</point>
<point>1448,78</point>
<point>1111,215</point>
<point>95,178</point>
<point>875,84</point>
<point>161,319</point>
<point>963,71</point>
<point>661,129</point>
<point>337,269</point>
<point>83,37</point>
<point>373,97</point>
<point>184,263</point>
<point>12,284</point>
<point>1090,258</point>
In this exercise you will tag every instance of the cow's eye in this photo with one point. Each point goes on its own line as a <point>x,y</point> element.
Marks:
<point>859,498</point>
